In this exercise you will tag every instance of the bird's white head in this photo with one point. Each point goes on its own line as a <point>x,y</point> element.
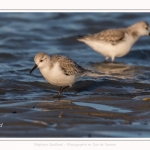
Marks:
<point>140,29</point>
<point>41,60</point>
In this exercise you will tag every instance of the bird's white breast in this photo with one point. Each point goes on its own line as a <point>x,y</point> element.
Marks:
<point>56,76</point>
<point>118,50</point>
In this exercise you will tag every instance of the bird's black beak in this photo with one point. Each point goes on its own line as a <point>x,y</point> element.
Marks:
<point>149,34</point>
<point>35,66</point>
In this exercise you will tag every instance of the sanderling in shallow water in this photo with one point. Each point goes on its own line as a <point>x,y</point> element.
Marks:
<point>113,43</point>
<point>60,70</point>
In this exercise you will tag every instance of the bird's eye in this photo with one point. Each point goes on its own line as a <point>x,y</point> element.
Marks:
<point>41,60</point>
<point>146,28</point>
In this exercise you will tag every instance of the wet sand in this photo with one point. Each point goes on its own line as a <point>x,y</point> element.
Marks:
<point>107,112</point>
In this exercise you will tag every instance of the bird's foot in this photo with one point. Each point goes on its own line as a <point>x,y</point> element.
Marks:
<point>105,61</point>
<point>57,96</point>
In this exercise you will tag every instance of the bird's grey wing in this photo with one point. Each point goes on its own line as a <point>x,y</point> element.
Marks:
<point>69,66</point>
<point>112,36</point>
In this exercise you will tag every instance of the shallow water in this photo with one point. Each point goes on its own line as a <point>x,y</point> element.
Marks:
<point>103,107</point>
<point>22,35</point>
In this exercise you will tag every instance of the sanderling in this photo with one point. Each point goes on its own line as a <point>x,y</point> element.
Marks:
<point>113,43</point>
<point>60,70</point>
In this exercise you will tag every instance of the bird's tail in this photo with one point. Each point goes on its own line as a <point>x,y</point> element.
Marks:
<point>81,38</point>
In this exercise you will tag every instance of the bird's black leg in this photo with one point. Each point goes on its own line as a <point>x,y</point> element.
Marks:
<point>63,88</point>
<point>106,60</point>
<point>60,92</point>
<point>58,95</point>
